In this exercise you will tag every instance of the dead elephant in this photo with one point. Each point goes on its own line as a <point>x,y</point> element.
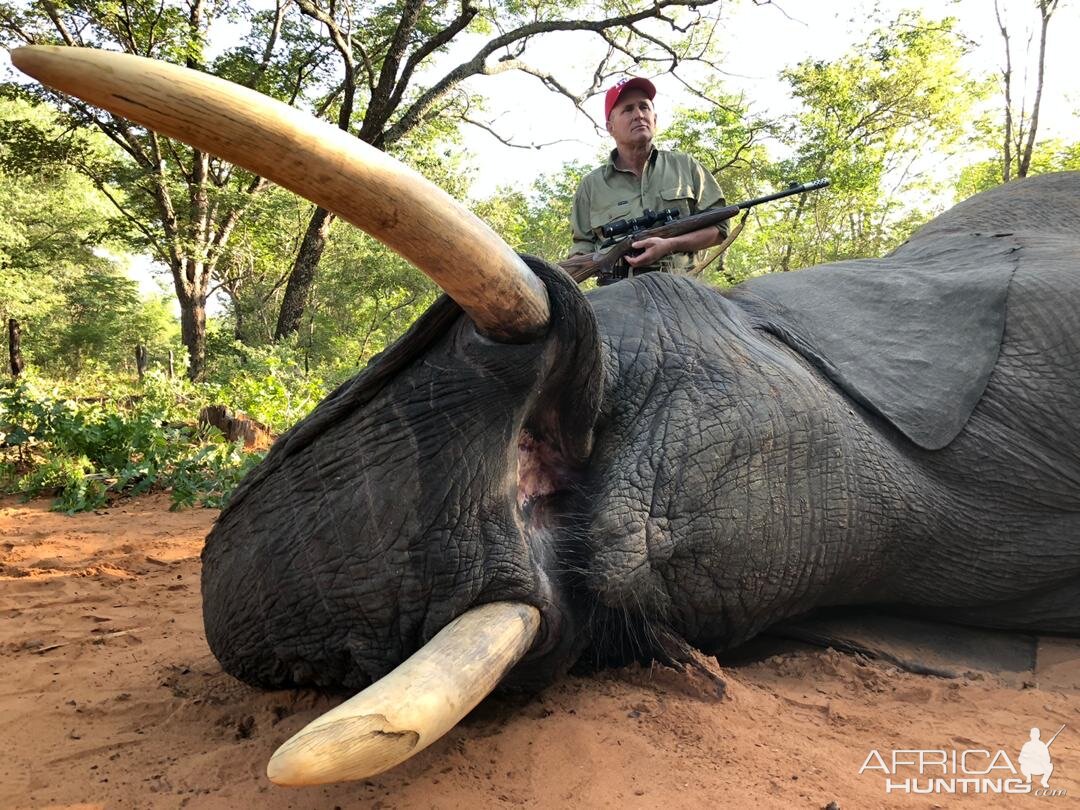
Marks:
<point>538,476</point>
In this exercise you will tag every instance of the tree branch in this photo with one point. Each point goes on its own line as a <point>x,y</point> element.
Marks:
<point>774,5</point>
<point>342,44</point>
<point>271,41</point>
<point>1046,10</point>
<point>379,104</point>
<point>487,128</point>
<point>468,12</point>
<point>477,65</point>
<point>1007,79</point>
<point>61,29</point>
<point>138,224</point>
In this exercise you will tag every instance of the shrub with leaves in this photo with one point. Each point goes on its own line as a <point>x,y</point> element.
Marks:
<point>267,383</point>
<point>209,476</point>
<point>72,478</point>
<point>86,451</point>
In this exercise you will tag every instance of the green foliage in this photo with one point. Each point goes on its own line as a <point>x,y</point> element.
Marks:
<point>267,383</point>
<point>254,268</point>
<point>58,473</point>
<point>50,223</point>
<point>1047,156</point>
<point>366,297</point>
<point>871,122</point>
<point>176,203</point>
<point>103,319</point>
<point>209,477</point>
<point>305,55</point>
<point>537,222</point>
<point>77,487</point>
<point>87,452</point>
<point>75,302</point>
<point>728,139</point>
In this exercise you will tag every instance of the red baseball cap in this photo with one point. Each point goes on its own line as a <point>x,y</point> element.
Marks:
<point>612,97</point>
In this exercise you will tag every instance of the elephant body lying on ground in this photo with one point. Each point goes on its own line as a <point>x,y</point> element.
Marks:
<point>535,476</point>
<point>675,463</point>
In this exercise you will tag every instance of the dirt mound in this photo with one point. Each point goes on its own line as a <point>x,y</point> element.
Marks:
<point>110,699</point>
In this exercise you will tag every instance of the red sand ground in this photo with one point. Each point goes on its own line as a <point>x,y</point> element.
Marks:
<point>109,698</point>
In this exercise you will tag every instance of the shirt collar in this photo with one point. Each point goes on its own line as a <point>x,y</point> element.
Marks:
<point>610,168</point>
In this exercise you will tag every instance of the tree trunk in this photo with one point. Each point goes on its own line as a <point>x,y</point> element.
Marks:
<point>172,365</point>
<point>238,425</point>
<point>193,334</point>
<point>1006,76</point>
<point>238,317</point>
<point>140,360</point>
<point>302,275</point>
<point>15,347</point>
<point>785,262</point>
<point>1046,9</point>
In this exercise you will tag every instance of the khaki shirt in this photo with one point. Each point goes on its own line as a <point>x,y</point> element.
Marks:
<point>670,180</point>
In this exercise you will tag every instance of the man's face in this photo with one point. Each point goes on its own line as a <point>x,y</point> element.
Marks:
<point>633,120</point>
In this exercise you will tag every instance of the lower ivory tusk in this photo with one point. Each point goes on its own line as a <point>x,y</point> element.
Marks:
<point>413,706</point>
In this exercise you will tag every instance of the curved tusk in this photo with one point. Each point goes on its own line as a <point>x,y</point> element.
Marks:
<point>320,162</point>
<point>406,711</point>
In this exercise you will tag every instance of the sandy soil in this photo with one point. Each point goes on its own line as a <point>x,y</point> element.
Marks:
<point>110,698</point>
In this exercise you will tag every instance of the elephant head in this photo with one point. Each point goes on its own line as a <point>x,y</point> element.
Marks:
<point>533,477</point>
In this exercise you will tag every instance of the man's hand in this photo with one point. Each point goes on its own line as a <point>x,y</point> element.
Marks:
<point>652,250</point>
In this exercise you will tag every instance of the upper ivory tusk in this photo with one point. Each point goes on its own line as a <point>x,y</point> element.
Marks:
<point>320,162</point>
<point>407,710</point>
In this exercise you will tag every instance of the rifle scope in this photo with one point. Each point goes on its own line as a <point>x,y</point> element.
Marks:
<point>647,220</point>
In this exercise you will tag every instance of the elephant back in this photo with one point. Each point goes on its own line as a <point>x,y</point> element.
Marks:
<point>1045,204</point>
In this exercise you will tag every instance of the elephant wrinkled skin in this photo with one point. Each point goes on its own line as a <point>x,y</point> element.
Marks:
<point>673,465</point>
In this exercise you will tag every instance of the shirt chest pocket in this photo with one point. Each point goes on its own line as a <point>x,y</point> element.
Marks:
<point>681,197</point>
<point>605,216</point>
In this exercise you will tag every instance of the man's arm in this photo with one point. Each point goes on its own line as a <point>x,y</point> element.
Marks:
<point>657,247</point>
<point>707,195</point>
<point>579,224</point>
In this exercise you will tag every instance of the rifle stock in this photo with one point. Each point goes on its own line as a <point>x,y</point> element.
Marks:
<point>598,263</point>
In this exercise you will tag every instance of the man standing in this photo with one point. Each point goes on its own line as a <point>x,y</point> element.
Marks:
<point>639,176</point>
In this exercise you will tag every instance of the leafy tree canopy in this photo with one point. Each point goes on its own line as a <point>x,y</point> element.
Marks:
<point>59,276</point>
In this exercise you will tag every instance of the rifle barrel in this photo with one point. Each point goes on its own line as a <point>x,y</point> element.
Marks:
<point>813,185</point>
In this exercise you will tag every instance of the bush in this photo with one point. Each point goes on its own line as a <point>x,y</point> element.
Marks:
<point>209,476</point>
<point>87,451</point>
<point>71,478</point>
<point>267,383</point>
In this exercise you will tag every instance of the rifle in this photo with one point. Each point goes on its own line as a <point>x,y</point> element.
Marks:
<point>611,266</point>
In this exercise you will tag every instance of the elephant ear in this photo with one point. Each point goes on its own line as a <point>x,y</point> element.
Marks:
<point>913,336</point>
